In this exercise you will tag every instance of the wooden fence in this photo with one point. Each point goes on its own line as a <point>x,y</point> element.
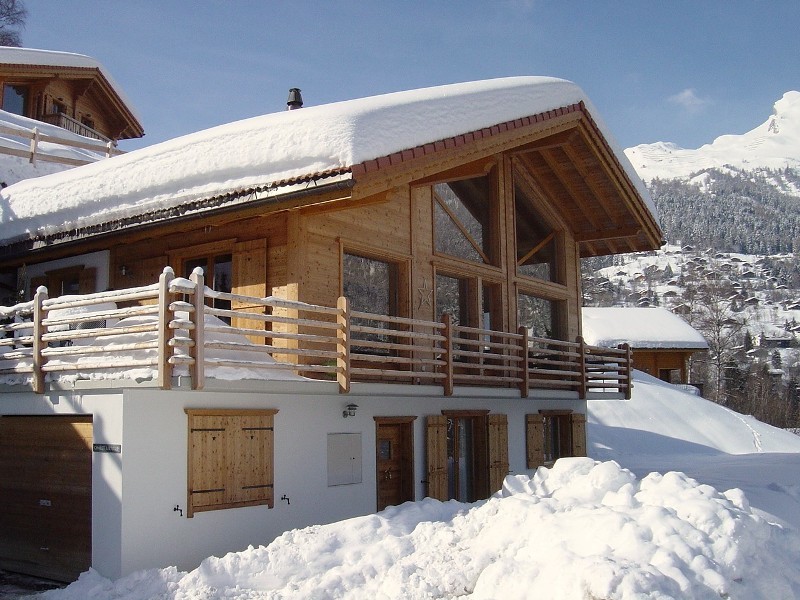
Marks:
<point>182,323</point>
<point>35,151</point>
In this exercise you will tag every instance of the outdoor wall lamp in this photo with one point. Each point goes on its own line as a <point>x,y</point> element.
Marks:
<point>350,410</point>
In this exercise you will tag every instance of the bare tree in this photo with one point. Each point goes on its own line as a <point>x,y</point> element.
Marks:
<point>12,18</point>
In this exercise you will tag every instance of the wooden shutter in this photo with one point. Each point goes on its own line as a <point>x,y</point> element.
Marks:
<point>497,429</point>
<point>208,440</point>
<point>436,444</point>
<point>252,473</point>
<point>230,458</point>
<point>534,440</point>
<point>578,424</point>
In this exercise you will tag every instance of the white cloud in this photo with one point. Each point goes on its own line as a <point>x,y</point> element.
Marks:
<point>689,100</point>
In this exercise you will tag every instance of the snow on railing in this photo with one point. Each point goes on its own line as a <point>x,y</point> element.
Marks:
<point>35,151</point>
<point>181,326</point>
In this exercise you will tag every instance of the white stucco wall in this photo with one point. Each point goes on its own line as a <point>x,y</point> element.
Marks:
<point>135,492</point>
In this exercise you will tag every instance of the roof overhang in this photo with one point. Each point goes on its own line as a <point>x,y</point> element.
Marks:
<point>568,162</point>
<point>94,79</point>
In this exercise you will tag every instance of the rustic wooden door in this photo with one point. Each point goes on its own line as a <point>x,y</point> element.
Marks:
<point>46,488</point>
<point>394,464</point>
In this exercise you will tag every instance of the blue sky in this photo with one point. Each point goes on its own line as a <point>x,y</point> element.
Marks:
<point>680,71</point>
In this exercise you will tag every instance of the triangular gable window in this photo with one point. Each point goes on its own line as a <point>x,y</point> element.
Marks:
<point>462,211</point>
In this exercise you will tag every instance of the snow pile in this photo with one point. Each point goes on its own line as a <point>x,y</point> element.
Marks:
<point>582,529</point>
<point>258,152</point>
<point>775,144</point>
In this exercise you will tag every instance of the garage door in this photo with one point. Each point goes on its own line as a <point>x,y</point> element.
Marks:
<point>46,495</point>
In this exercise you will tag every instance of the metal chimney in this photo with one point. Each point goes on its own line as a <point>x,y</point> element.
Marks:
<point>295,99</point>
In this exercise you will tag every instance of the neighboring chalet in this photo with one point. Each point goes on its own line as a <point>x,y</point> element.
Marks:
<point>304,317</point>
<point>71,91</point>
<point>661,342</point>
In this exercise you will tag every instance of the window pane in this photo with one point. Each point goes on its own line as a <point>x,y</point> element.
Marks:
<point>465,232</point>
<point>15,98</point>
<point>223,268</point>
<point>370,284</point>
<point>539,315</point>
<point>458,298</point>
<point>536,246</point>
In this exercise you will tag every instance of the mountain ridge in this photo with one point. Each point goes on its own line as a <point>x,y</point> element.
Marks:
<point>773,146</point>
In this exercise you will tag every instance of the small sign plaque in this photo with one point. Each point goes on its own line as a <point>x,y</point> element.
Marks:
<point>113,448</point>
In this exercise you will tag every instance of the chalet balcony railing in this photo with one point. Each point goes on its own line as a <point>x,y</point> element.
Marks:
<point>73,125</point>
<point>171,329</point>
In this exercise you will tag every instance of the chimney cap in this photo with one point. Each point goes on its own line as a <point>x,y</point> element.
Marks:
<point>295,100</point>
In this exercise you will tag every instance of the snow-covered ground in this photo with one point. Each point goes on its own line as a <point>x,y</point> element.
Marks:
<point>584,529</point>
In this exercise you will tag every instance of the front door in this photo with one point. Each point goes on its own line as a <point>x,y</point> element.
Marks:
<point>394,461</point>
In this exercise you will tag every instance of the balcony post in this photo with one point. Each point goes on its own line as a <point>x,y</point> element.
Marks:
<point>447,319</point>
<point>524,385</point>
<point>343,345</point>
<point>164,330</point>
<point>39,329</point>
<point>197,370</point>
<point>628,370</point>
<point>583,385</point>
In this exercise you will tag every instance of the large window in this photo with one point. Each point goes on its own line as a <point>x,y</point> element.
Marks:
<point>537,242</point>
<point>372,285</point>
<point>551,435</point>
<point>230,458</point>
<point>464,219</point>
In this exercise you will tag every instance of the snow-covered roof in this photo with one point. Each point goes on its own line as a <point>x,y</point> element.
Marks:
<point>655,328</point>
<point>258,153</point>
<point>52,58</point>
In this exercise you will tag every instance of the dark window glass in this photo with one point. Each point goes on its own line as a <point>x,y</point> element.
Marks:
<point>536,239</point>
<point>462,213</point>
<point>15,99</point>
<point>539,316</point>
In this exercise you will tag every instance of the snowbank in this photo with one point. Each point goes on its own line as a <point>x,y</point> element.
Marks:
<point>583,529</point>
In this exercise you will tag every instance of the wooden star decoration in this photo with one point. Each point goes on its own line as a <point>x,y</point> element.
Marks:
<point>425,294</point>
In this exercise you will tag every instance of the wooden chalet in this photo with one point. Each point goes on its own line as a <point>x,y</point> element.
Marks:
<point>72,91</point>
<point>409,263</point>
<point>661,342</point>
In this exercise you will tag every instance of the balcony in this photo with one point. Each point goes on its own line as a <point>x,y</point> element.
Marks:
<point>170,329</point>
<point>73,125</point>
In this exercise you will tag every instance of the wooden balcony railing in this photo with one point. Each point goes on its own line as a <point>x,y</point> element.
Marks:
<point>170,326</point>
<point>73,125</point>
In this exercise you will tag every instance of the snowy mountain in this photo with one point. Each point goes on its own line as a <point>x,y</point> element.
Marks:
<point>772,147</point>
<point>582,529</point>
